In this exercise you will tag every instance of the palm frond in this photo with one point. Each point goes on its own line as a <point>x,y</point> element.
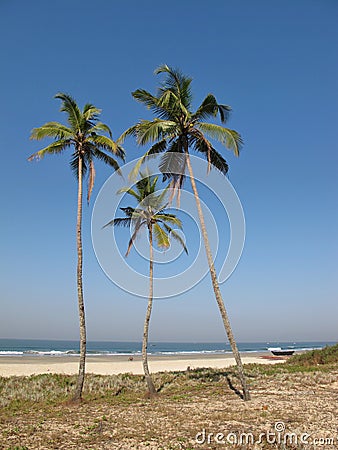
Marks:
<point>162,203</point>
<point>53,148</point>
<point>170,218</point>
<point>107,143</point>
<point>106,159</point>
<point>74,165</point>
<point>175,174</point>
<point>209,108</point>
<point>176,236</point>
<point>229,138</point>
<point>177,83</point>
<point>145,97</point>
<point>177,145</point>
<point>175,186</point>
<point>154,130</point>
<point>219,162</point>
<point>99,126</point>
<point>146,184</point>
<point>132,131</point>
<point>70,107</point>
<point>168,102</point>
<point>174,105</point>
<point>129,211</point>
<point>119,222</point>
<point>129,191</point>
<point>137,229</point>
<point>215,158</point>
<point>144,191</point>
<point>91,180</point>
<point>159,147</point>
<point>90,112</point>
<point>151,102</point>
<point>172,164</point>
<point>201,144</point>
<point>161,237</point>
<point>163,68</point>
<point>152,203</point>
<point>51,129</point>
<point>136,169</point>
<point>224,112</point>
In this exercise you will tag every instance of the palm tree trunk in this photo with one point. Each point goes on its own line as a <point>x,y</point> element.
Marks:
<point>82,319</point>
<point>150,384</point>
<point>217,291</point>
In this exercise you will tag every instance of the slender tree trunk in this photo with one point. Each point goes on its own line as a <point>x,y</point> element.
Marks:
<point>217,291</point>
<point>82,319</point>
<point>150,384</point>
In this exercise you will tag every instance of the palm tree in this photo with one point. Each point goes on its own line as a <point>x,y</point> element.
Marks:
<point>176,130</point>
<point>150,214</point>
<point>83,134</point>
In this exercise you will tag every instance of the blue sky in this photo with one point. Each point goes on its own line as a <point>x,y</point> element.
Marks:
<point>275,63</point>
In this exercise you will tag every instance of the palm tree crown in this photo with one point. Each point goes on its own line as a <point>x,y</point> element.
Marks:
<point>83,134</point>
<point>149,213</point>
<point>177,128</point>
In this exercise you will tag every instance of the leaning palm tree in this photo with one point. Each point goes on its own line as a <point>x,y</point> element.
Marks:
<point>177,130</point>
<point>150,214</point>
<point>83,134</point>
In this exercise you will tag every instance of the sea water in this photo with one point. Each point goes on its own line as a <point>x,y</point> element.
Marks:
<point>55,348</point>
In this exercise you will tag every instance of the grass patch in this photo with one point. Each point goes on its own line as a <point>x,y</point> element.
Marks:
<point>313,358</point>
<point>19,394</point>
<point>116,413</point>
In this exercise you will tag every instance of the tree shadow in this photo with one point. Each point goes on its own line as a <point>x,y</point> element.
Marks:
<point>211,375</point>
<point>205,375</point>
<point>233,388</point>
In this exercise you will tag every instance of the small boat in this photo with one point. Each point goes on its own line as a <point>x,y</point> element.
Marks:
<point>278,351</point>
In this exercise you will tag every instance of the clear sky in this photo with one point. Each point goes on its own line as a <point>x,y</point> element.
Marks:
<point>274,62</point>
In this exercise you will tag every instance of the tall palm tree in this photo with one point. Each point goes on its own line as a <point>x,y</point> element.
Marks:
<point>150,214</point>
<point>176,131</point>
<point>83,135</point>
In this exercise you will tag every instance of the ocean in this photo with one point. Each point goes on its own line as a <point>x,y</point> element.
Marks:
<point>55,348</point>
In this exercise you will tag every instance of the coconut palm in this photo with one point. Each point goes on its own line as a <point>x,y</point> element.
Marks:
<point>83,134</point>
<point>150,214</point>
<point>177,131</point>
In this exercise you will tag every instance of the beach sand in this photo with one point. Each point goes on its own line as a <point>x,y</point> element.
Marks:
<point>115,364</point>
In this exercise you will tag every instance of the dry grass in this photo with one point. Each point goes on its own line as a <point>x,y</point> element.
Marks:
<point>116,414</point>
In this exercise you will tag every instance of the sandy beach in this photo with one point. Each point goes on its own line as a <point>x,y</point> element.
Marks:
<point>108,365</point>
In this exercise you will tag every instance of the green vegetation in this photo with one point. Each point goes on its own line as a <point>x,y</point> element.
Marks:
<point>54,389</point>
<point>35,412</point>
<point>313,358</point>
